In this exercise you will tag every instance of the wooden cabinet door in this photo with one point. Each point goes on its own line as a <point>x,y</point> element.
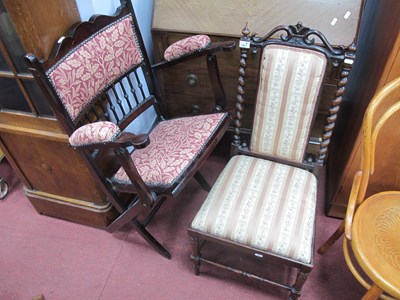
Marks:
<point>56,178</point>
<point>379,63</point>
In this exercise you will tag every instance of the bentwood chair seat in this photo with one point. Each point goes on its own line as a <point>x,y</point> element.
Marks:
<point>375,241</point>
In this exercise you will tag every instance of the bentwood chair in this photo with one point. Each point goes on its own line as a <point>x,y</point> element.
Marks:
<point>263,203</point>
<point>3,182</point>
<point>98,81</point>
<point>372,223</point>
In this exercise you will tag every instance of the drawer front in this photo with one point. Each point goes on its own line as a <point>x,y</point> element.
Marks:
<point>186,88</point>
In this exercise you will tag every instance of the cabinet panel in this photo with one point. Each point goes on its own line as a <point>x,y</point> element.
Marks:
<point>40,23</point>
<point>12,97</point>
<point>57,179</point>
<point>338,19</point>
<point>52,167</point>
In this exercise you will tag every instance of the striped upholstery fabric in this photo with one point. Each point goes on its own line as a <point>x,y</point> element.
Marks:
<point>262,204</point>
<point>287,95</point>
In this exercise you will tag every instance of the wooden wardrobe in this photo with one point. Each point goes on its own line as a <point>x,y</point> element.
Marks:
<point>377,63</point>
<point>56,179</point>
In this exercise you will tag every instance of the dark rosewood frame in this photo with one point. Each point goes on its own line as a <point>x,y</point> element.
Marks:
<point>136,199</point>
<point>341,58</point>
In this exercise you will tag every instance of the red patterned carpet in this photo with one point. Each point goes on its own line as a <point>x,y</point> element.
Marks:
<point>64,260</point>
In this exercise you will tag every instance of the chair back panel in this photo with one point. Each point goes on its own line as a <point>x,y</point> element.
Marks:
<point>289,83</point>
<point>87,70</point>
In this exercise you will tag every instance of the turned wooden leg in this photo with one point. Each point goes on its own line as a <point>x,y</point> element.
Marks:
<point>334,237</point>
<point>373,293</point>
<point>300,280</point>
<point>195,254</point>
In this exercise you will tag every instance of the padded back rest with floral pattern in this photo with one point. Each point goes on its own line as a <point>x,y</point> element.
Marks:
<point>289,84</point>
<point>100,71</point>
<point>95,64</point>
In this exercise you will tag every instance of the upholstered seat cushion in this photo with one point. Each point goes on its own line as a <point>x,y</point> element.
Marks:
<point>186,46</point>
<point>94,133</point>
<point>174,144</point>
<point>262,204</point>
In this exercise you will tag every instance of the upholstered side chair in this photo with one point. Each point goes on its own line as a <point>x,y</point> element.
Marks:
<point>263,203</point>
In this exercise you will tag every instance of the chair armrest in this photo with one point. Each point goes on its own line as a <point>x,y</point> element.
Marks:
<point>128,139</point>
<point>106,136</point>
<point>101,135</point>
<point>192,47</point>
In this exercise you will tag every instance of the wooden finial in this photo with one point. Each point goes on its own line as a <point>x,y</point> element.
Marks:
<point>245,31</point>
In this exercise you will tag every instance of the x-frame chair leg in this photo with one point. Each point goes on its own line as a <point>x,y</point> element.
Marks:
<point>150,239</point>
<point>203,183</point>
<point>153,211</point>
<point>126,216</point>
<point>130,216</point>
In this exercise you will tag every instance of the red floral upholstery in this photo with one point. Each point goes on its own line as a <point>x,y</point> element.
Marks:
<point>90,68</point>
<point>94,133</point>
<point>173,145</point>
<point>186,46</point>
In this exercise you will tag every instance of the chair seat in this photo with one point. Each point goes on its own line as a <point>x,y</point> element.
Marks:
<point>262,204</point>
<point>376,240</point>
<point>174,144</point>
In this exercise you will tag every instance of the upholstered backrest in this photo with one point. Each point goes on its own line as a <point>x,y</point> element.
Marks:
<point>93,65</point>
<point>289,84</point>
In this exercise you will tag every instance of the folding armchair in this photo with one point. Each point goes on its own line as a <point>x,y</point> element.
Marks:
<point>372,223</point>
<point>263,203</point>
<point>98,81</point>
